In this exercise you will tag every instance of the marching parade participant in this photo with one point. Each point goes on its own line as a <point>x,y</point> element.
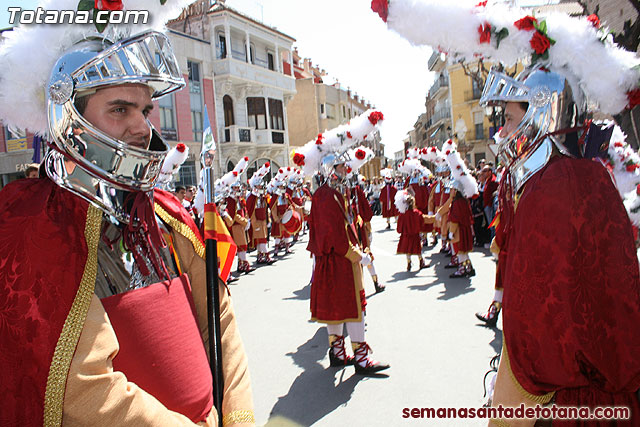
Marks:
<point>337,292</point>
<point>362,212</point>
<point>294,191</point>
<point>439,194</point>
<point>86,271</point>
<point>460,219</point>
<point>387,196</point>
<point>235,215</point>
<point>410,223</point>
<point>571,276</point>
<point>257,209</point>
<point>281,205</point>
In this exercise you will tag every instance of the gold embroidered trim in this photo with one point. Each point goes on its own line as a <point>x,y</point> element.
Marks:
<point>543,399</point>
<point>66,346</point>
<point>181,228</point>
<point>239,417</point>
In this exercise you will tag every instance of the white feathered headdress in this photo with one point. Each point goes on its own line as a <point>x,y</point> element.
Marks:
<point>386,173</point>
<point>29,52</point>
<point>608,74</point>
<point>337,140</point>
<point>256,178</point>
<point>175,158</point>
<point>359,157</point>
<point>402,200</point>
<point>460,172</point>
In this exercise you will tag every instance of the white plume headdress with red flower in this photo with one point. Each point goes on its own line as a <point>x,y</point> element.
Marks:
<point>359,157</point>
<point>258,176</point>
<point>401,200</point>
<point>338,140</point>
<point>29,52</point>
<point>460,172</point>
<point>608,74</point>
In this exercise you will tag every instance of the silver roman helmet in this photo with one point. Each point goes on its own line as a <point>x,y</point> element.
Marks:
<point>555,102</point>
<point>97,167</point>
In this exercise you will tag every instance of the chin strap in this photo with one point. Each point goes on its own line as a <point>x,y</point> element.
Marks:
<point>142,235</point>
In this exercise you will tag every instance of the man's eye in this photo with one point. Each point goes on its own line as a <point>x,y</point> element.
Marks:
<point>119,110</point>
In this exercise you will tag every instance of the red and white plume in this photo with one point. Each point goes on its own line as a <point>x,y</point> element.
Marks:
<point>461,173</point>
<point>337,140</point>
<point>359,157</point>
<point>175,158</point>
<point>579,46</point>
<point>433,155</point>
<point>413,153</point>
<point>256,178</point>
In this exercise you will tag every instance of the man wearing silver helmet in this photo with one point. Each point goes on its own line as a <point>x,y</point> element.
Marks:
<point>567,260</point>
<point>337,291</point>
<point>86,277</point>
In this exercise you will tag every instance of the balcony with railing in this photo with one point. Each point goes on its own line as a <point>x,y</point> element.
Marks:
<point>441,82</point>
<point>237,134</point>
<point>442,114</point>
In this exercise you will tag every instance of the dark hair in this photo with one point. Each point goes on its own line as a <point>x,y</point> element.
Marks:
<point>180,187</point>
<point>81,103</point>
<point>31,168</point>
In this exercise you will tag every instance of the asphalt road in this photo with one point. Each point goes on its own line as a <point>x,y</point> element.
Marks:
<point>423,325</point>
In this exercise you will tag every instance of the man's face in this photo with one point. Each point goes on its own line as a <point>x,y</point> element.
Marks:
<point>341,170</point>
<point>33,174</point>
<point>180,194</point>
<point>189,194</point>
<point>121,112</point>
<point>513,114</point>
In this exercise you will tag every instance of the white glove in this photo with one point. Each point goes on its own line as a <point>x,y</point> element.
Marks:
<point>365,260</point>
<point>430,213</point>
<point>226,214</point>
<point>438,217</point>
<point>248,225</point>
<point>450,235</point>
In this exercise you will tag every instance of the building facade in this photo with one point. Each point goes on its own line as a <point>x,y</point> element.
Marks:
<point>437,120</point>
<point>251,85</point>
<point>318,106</point>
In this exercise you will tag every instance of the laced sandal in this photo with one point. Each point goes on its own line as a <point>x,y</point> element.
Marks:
<point>490,318</point>
<point>363,363</point>
<point>339,357</point>
<point>453,263</point>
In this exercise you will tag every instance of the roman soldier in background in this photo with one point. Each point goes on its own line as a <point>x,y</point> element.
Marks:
<point>257,209</point>
<point>237,220</point>
<point>438,205</point>
<point>387,197</point>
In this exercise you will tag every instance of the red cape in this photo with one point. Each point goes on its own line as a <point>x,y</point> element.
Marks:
<point>44,257</point>
<point>572,294</point>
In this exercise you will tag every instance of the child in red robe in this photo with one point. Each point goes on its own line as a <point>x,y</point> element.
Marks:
<point>461,233</point>
<point>410,223</point>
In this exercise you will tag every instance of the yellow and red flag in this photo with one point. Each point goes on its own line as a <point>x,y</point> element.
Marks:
<point>215,228</point>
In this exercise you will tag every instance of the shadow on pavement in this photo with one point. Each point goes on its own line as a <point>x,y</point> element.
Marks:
<point>313,393</point>
<point>301,294</point>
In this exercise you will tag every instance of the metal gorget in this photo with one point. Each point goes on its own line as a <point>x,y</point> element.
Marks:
<point>526,166</point>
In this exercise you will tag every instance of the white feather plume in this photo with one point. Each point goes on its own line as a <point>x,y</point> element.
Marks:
<point>337,140</point>
<point>29,52</point>
<point>461,173</point>
<point>402,201</point>
<point>386,173</point>
<point>604,71</point>
<point>175,158</point>
<point>256,178</point>
<point>359,157</point>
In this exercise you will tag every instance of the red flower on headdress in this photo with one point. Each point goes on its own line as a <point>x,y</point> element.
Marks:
<point>485,33</point>
<point>638,190</point>
<point>246,159</point>
<point>434,149</point>
<point>108,4</point>
<point>298,159</point>
<point>618,144</point>
<point>482,4</point>
<point>280,170</point>
<point>349,135</point>
<point>288,168</point>
<point>235,173</point>
<point>526,23</point>
<point>634,98</point>
<point>268,165</point>
<point>349,170</point>
<point>319,140</point>
<point>375,117</point>
<point>360,154</point>
<point>632,167</point>
<point>458,167</point>
<point>595,21</point>
<point>381,7</point>
<point>540,43</point>
<point>181,147</point>
<point>448,152</point>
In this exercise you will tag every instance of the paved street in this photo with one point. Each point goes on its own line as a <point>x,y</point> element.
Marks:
<point>423,325</point>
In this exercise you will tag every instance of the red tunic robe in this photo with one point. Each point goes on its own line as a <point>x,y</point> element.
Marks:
<point>461,214</point>
<point>258,218</point>
<point>409,226</point>
<point>387,199</point>
<point>337,293</point>
<point>572,294</point>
